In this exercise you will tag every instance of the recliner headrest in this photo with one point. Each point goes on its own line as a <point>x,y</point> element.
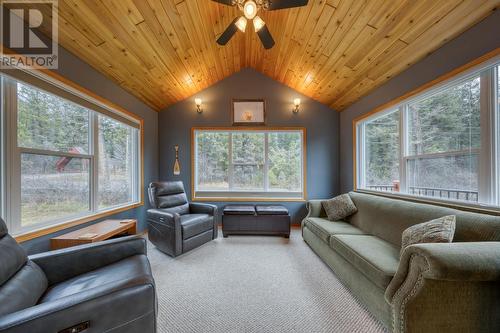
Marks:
<point>168,188</point>
<point>3,228</point>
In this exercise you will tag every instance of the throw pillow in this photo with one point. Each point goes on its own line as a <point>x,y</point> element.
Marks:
<point>339,207</point>
<point>440,230</point>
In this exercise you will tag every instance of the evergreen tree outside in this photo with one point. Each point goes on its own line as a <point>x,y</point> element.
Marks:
<point>53,186</point>
<point>446,123</point>
<point>247,167</point>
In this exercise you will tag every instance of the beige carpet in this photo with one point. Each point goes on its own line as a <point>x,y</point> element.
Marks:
<point>254,284</point>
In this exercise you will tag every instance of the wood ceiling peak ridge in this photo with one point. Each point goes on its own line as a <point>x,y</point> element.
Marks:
<point>334,51</point>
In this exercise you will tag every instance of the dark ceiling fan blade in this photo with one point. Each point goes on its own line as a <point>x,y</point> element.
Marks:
<point>225,2</point>
<point>283,4</point>
<point>228,33</point>
<point>265,37</point>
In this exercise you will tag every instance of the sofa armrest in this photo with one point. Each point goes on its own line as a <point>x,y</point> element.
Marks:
<point>315,208</point>
<point>201,208</point>
<point>66,263</point>
<point>433,276</point>
<point>468,261</point>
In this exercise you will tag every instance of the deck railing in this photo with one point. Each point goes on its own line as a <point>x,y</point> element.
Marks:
<point>454,194</point>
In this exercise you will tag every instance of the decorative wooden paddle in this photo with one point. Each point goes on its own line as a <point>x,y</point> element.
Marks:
<point>177,166</point>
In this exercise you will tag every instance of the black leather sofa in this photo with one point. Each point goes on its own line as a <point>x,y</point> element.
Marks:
<point>102,287</point>
<point>176,226</point>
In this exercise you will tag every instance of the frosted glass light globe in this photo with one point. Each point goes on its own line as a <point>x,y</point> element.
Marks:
<point>250,9</point>
<point>241,23</point>
<point>258,23</point>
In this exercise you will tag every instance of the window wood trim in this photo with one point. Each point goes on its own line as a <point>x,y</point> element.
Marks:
<point>72,86</point>
<point>251,199</point>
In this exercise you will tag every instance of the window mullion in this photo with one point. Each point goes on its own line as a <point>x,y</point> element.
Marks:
<point>360,136</point>
<point>495,135</point>
<point>486,172</point>
<point>496,131</point>
<point>13,165</point>
<point>403,147</point>
<point>137,172</point>
<point>230,166</point>
<point>266,161</point>
<point>94,161</point>
<point>361,156</point>
<point>3,152</point>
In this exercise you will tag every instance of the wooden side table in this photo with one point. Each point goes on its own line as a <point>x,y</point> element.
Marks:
<point>94,233</point>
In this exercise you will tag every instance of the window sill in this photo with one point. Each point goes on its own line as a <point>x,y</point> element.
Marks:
<point>46,230</point>
<point>248,196</point>
<point>461,205</point>
<point>244,197</point>
<point>251,199</point>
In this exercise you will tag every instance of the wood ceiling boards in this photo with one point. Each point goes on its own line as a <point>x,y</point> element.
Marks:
<point>334,51</point>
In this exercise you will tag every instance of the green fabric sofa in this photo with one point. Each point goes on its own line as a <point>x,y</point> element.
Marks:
<point>452,287</point>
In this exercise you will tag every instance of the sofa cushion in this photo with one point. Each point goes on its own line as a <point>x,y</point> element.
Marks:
<point>440,230</point>
<point>339,207</point>
<point>387,218</point>
<point>239,210</point>
<point>125,273</point>
<point>194,224</point>
<point>376,258</point>
<point>271,210</point>
<point>324,228</point>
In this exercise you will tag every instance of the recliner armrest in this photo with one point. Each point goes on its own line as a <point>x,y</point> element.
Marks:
<point>160,215</point>
<point>165,231</point>
<point>66,263</point>
<point>200,208</point>
<point>98,306</point>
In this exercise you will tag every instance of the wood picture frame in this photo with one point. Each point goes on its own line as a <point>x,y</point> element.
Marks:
<point>254,110</point>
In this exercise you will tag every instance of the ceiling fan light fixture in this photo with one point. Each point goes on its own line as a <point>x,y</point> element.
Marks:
<point>250,9</point>
<point>241,24</point>
<point>258,23</point>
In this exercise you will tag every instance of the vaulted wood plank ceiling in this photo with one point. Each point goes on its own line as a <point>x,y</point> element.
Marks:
<point>334,51</point>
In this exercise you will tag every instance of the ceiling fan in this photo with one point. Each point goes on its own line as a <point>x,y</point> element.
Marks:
<point>250,9</point>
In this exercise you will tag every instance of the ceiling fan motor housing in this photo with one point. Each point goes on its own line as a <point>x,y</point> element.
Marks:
<point>250,9</point>
<point>264,4</point>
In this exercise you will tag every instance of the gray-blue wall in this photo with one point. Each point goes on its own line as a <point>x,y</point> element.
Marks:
<point>473,43</point>
<point>81,73</point>
<point>329,136</point>
<point>321,122</point>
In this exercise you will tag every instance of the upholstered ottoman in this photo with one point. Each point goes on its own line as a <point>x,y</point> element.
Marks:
<point>273,220</point>
<point>255,220</point>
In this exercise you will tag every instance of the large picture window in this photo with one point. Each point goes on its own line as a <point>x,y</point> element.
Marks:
<point>62,161</point>
<point>441,144</point>
<point>249,164</point>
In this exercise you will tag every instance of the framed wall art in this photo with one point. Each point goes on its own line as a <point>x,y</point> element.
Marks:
<point>249,112</point>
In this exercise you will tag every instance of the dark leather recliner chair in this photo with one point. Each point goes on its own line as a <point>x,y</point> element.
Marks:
<point>175,225</point>
<point>100,287</point>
